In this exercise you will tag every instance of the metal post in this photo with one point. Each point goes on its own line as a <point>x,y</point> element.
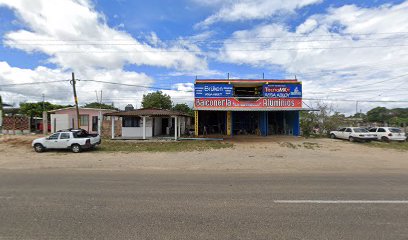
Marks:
<point>144,127</point>
<point>196,123</point>
<point>100,120</point>
<point>179,127</point>
<point>113,126</point>
<point>175,128</point>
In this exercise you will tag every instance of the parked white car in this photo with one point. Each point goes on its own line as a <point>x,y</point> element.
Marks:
<point>353,134</point>
<point>389,134</point>
<point>74,139</point>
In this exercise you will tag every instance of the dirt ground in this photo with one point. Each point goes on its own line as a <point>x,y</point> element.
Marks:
<point>272,154</point>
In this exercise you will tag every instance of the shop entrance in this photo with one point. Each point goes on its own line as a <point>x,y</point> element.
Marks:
<point>211,122</point>
<point>245,123</point>
<point>283,123</point>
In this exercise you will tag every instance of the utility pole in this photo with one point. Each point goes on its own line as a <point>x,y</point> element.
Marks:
<point>356,108</point>
<point>43,100</point>
<point>73,82</point>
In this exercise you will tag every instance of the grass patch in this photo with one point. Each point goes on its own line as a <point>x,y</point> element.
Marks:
<point>169,146</point>
<point>288,145</point>
<point>311,145</point>
<point>403,146</point>
<point>307,145</point>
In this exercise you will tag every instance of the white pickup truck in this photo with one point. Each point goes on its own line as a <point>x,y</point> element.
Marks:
<point>74,139</point>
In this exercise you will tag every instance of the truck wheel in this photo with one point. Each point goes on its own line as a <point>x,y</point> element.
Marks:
<point>38,147</point>
<point>76,148</point>
<point>332,136</point>
<point>351,139</point>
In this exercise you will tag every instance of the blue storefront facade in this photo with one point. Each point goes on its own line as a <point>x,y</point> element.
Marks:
<point>247,107</point>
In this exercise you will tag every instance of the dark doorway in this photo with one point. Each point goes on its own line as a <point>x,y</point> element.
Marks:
<point>283,123</point>
<point>245,123</point>
<point>213,121</point>
<point>165,124</point>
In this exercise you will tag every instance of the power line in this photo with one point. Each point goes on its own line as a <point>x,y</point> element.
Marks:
<point>191,37</point>
<point>133,43</point>
<point>32,83</point>
<point>230,50</point>
<point>132,85</point>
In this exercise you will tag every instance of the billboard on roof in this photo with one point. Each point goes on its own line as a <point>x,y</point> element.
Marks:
<point>213,90</point>
<point>282,90</point>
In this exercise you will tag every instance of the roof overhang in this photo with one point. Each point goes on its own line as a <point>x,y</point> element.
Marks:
<point>244,82</point>
<point>255,109</point>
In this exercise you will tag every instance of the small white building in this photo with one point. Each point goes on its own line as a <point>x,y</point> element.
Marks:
<point>150,122</point>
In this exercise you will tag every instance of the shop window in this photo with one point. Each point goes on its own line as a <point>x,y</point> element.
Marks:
<point>248,91</point>
<point>94,123</point>
<point>131,121</point>
<point>83,120</point>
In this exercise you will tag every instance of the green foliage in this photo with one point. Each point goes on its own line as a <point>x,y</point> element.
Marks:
<point>99,105</point>
<point>320,122</point>
<point>378,114</point>
<point>182,107</point>
<point>308,121</point>
<point>36,109</point>
<point>395,117</point>
<point>181,146</point>
<point>156,100</point>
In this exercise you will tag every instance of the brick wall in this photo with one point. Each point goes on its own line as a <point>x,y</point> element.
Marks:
<point>16,123</point>
<point>107,127</point>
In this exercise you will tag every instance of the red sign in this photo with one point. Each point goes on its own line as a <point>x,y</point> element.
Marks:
<point>200,103</point>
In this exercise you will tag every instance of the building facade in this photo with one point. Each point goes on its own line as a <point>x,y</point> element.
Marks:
<point>247,107</point>
<point>150,122</point>
<point>89,118</point>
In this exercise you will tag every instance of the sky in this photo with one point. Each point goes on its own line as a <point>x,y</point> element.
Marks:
<point>340,50</point>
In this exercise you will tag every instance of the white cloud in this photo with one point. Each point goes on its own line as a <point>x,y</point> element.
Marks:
<point>231,11</point>
<point>78,37</point>
<point>61,92</point>
<point>331,52</point>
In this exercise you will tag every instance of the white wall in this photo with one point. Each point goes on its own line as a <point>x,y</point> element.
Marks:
<point>136,132</point>
<point>59,121</point>
<point>157,126</point>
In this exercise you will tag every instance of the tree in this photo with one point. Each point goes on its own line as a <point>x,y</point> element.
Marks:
<point>36,109</point>
<point>182,107</point>
<point>324,120</point>
<point>156,100</point>
<point>99,105</point>
<point>378,114</point>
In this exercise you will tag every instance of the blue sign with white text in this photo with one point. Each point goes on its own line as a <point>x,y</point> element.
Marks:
<point>213,90</point>
<point>282,90</point>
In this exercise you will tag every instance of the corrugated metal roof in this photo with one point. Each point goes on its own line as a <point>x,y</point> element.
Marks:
<point>154,112</point>
<point>81,108</point>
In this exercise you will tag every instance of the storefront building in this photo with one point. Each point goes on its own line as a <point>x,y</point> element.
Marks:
<point>247,107</point>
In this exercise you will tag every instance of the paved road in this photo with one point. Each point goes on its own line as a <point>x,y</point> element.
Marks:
<point>81,204</point>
